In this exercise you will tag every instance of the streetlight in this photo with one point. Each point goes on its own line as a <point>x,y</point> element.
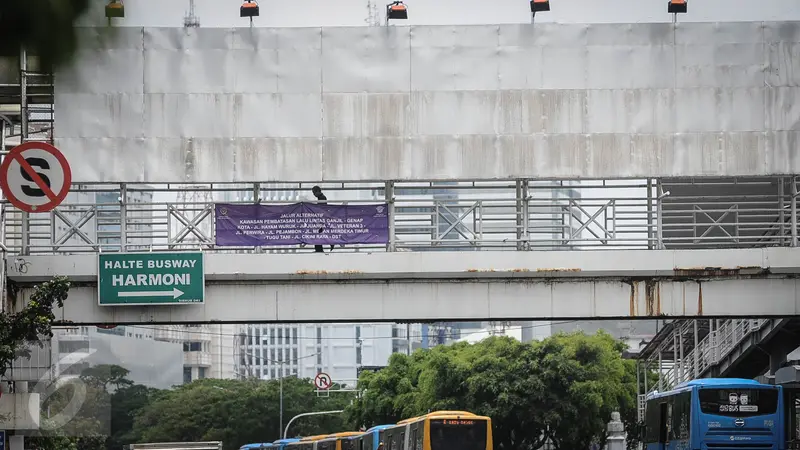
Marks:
<point>280,380</point>
<point>286,430</point>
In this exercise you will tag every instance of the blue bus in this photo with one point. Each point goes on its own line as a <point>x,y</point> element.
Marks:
<point>716,413</point>
<point>281,444</point>
<point>368,440</point>
<point>263,445</point>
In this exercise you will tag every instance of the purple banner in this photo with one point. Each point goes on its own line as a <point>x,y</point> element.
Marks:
<point>301,223</point>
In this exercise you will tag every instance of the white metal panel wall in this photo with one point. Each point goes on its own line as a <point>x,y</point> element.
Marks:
<point>375,103</point>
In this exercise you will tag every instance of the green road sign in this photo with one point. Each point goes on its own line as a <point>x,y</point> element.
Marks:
<point>151,278</point>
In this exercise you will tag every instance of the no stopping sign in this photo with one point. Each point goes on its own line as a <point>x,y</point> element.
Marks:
<point>35,177</point>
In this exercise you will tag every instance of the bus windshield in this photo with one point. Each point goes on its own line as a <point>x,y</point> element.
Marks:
<point>738,402</point>
<point>458,434</point>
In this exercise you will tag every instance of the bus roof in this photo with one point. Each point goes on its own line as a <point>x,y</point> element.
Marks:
<point>345,434</point>
<point>710,382</point>
<point>379,427</point>
<point>255,446</point>
<point>721,382</point>
<point>450,413</point>
<point>286,441</point>
<point>315,438</point>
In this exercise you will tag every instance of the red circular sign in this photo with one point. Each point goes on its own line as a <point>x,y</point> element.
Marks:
<point>323,381</point>
<point>19,191</point>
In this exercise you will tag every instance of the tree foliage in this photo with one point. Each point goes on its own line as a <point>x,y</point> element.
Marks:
<point>19,330</point>
<point>563,388</point>
<point>45,28</point>
<point>236,412</point>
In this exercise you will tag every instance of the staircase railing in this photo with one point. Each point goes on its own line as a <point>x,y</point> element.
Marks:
<point>706,354</point>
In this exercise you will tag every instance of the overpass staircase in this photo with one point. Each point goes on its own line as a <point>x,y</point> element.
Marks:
<point>689,349</point>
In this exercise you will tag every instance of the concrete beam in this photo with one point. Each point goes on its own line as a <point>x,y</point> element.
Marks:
<point>229,267</point>
<point>443,300</point>
<point>439,286</point>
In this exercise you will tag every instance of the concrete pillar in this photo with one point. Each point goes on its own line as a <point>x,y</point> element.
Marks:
<point>616,433</point>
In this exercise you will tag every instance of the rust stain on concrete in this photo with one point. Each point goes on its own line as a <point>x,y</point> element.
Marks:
<point>700,299</point>
<point>652,292</point>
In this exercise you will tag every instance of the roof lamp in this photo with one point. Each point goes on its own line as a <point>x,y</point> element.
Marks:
<point>540,6</point>
<point>677,6</point>
<point>115,8</point>
<point>249,9</point>
<point>396,10</point>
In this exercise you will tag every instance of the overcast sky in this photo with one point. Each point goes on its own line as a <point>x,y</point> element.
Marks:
<point>314,13</point>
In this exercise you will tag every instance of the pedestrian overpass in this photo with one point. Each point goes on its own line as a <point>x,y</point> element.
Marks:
<point>515,250</point>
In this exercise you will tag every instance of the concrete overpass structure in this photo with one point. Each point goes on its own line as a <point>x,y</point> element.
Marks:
<point>451,286</point>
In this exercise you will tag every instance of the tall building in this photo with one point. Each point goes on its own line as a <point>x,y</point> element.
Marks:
<point>270,351</point>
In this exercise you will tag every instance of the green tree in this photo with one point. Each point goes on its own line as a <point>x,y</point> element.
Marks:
<point>563,388</point>
<point>236,412</point>
<point>127,402</point>
<point>22,329</point>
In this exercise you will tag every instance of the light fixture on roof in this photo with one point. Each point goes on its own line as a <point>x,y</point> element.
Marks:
<point>677,6</point>
<point>249,9</point>
<point>396,10</point>
<point>539,6</point>
<point>115,8</point>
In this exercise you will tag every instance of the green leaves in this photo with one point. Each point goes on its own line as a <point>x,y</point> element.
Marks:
<point>26,327</point>
<point>46,28</point>
<point>236,412</point>
<point>564,388</point>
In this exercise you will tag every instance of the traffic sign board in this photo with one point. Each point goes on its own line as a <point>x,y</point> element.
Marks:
<point>35,177</point>
<point>323,381</point>
<point>167,278</point>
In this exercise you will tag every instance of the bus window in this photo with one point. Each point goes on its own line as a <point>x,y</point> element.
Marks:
<point>663,422</point>
<point>738,402</point>
<point>458,434</point>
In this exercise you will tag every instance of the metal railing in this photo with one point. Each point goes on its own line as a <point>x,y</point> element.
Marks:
<point>518,215</point>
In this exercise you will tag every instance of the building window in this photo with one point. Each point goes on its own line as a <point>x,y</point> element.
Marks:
<point>294,335</point>
<point>272,355</point>
<point>272,336</point>
<point>187,375</point>
<point>272,373</point>
<point>280,335</point>
<point>294,355</point>
<point>192,346</point>
<point>319,335</point>
<point>201,373</point>
<point>319,358</point>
